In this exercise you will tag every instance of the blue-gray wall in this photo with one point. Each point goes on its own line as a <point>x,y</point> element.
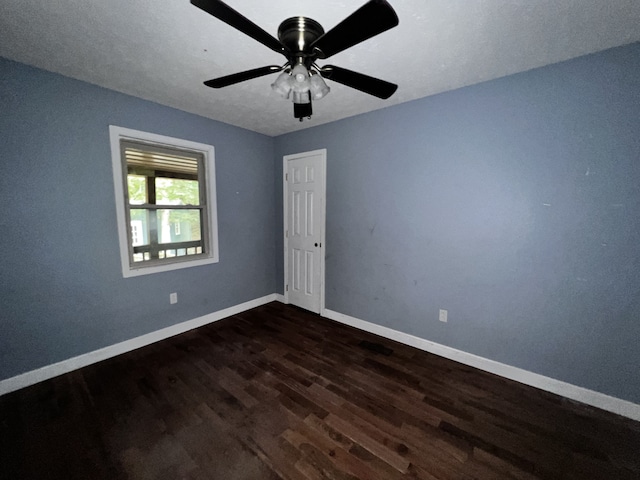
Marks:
<point>61,287</point>
<point>514,204</point>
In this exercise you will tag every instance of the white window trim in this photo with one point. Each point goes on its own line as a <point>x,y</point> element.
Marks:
<point>119,133</point>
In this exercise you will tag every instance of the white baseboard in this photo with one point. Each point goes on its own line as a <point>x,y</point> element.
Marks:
<point>53,370</point>
<point>280,298</point>
<point>573,392</point>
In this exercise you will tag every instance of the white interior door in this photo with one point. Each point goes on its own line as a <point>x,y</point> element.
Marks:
<point>304,213</point>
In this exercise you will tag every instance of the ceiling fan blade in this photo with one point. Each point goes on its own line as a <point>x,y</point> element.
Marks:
<point>374,17</point>
<point>242,76</point>
<point>228,15</point>
<point>359,81</point>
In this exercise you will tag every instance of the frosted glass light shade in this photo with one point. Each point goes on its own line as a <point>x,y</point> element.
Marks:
<point>301,97</point>
<point>300,79</point>
<point>299,73</point>
<point>282,85</point>
<point>318,87</point>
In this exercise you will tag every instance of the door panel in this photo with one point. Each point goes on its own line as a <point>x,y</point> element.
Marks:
<point>305,222</point>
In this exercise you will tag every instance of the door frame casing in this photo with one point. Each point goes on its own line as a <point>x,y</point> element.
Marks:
<point>323,214</point>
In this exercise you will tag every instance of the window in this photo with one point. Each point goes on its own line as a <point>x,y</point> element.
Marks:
<point>165,200</point>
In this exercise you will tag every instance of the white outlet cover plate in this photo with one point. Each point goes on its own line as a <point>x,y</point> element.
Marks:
<point>443,315</point>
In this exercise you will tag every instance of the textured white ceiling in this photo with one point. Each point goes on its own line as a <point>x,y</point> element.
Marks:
<point>163,51</point>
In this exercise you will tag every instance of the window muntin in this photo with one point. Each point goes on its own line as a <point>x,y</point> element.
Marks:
<point>165,200</point>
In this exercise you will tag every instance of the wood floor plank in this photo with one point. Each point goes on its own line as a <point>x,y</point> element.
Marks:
<point>280,393</point>
<point>364,438</point>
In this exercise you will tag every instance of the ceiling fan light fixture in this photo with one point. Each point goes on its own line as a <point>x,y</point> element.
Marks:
<point>302,41</point>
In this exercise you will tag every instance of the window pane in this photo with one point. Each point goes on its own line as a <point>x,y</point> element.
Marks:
<point>139,227</point>
<point>188,226</point>
<point>175,191</point>
<point>137,189</point>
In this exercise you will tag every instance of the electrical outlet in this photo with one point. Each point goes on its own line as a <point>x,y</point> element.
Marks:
<point>173,298</point>
<point>443,316</point>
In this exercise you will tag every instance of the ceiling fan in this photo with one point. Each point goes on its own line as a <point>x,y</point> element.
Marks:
<point>303,41</point>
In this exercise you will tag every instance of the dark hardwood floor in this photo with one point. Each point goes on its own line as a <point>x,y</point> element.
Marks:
<point>280,393</point>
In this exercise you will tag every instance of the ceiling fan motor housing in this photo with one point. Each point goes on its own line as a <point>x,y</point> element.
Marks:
<point>297,34</point>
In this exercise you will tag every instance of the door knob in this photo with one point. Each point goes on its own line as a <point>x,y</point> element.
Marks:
<point>315,244</point>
